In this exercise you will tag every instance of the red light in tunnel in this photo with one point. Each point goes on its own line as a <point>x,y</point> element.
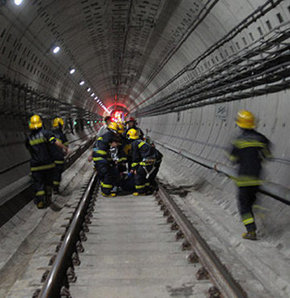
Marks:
<point>117,116</point>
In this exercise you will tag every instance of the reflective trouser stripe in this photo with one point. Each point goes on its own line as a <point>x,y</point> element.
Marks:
<point>44,167</point>
<point>248,219</point>
<point>56,183</point>
<point>98,158</point>
<point>59,162</point>
<point>106,185</point>
<point>139,186</point>
<point>134,164</point>
<point>147,184</point>
<point>40,193</point>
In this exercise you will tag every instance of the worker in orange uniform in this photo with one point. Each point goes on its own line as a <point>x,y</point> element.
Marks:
<point>58,153</point>
<point>39,144</point>
<point>248,151</point>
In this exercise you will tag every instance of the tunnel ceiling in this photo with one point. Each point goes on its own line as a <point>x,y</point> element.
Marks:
<point>130,52</point>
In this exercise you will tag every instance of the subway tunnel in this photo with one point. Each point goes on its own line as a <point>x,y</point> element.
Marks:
<point>183,68</point>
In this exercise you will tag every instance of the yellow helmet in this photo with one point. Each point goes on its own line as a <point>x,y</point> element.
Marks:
<point>35,122</point>
<point>113,126</point>
<point>133,134</point>
<point>57,121</point>
<point>121,128</point>
<point>245,119</point>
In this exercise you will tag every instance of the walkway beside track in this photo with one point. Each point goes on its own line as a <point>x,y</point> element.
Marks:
<point>131,252</point>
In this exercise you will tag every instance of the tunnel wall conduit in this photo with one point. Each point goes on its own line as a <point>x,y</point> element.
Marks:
<point>271,189</point>
<point>192,66</point>
<point>265,68</point>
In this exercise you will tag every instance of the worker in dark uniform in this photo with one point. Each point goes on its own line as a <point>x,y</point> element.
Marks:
<point>143,162</point>
<point>39,144</point>
<point>132,123</point>
<point>248,151</point>
<point>58,153</point>
<point>121,155</point>
<point>152,184</point>
<point>103,161</point>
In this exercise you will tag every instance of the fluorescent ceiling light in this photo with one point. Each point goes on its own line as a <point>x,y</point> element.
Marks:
<point>56,49</point>
<point>89,89</point>
<point>72,71</point>
<point>82,82</point>
<point>18,2</point>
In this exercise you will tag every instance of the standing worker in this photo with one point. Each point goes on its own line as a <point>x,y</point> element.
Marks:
<point>248,150</point>
<point>132,123</point>
<point>103,161</point>
<point>39,143</point>
<point>58,153</point>
<point>103,129</point>
<point>144,157</point>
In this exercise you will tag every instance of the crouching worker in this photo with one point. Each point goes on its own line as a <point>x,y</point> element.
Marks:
<point>103,161</point>
<point>248,151</point>
<point>144,157</point>
<point>58,153</point>
<point>39,144</point>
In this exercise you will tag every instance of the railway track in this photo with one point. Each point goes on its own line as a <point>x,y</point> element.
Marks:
<point>124,247</point>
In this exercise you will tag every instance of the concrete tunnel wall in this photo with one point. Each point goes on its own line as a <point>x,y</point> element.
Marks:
<point>207,133</point>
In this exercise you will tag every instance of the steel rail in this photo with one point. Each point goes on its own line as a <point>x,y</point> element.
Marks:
<point>219,274</point>
<point>56,276</point>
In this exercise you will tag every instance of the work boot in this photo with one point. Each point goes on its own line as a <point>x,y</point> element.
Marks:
<point>138,194</point>
<point>40,205</point>
<point>113,194</point>
<point>250,235</point>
